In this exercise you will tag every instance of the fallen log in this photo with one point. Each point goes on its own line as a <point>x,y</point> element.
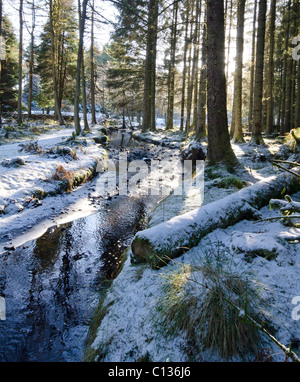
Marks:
<point>159,244</point>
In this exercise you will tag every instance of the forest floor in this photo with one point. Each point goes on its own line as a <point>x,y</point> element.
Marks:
<point>46,178</point>
<point>43,171</point>
<point>139,319</point>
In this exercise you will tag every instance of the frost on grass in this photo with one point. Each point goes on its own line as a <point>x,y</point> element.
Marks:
<point>157,312</point>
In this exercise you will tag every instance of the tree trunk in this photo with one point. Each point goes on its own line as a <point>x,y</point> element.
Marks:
<point>189,74</point>
<point>297,111</point>
<point>31,62</point>
<point>1,14</point>
<point>158,244</point>
<point>202,98</point>
<point>20,119</point>
<point>171,93</point>
<point>288,123</point>
<point>54,69</point>
<point>150,69</point>
<point>259,73</point>
<point>238,128</point>
<point>196,65</point>
<point>82,19</point>
<point>270,99</point>
<point>186,44</point>
<point>219,148</point>
<point>250,120</point>
<point>229,39</point>
<point>288,93</point>
<point>93,68</point>
<point>285,65</point>
<point>84,101</point>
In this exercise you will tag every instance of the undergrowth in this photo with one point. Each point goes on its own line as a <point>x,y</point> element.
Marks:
<point>205,302</point>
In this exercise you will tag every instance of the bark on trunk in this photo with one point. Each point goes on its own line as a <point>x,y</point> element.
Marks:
<point>19,119</point>
<point>31,62</point>
<point>219,148</point>
<point>93,69</point>
<point>150,69</point>
<point>186,20</point>
<point>159,244</point>
<point>1,13</point>
<point>202,98</point>
<point>270,100</point>
<point>171,90</point>
<point>238,128</point>
<point>54,71</point>
<point>252,68</point>
<point>259,73</point>
<point>82,18</point>
<point>297,112</point>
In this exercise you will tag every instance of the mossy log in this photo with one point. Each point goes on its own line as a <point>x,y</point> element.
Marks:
<point>159,244</point>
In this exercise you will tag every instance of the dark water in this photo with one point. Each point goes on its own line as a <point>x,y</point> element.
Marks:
<point>53,284</point>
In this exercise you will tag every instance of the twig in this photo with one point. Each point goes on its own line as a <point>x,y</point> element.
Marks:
<point>285,169</point>
<point>277,218</point>
<point>243,315</point>
<point>286,162</point>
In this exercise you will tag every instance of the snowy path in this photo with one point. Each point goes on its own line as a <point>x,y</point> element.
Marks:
<point>46,140</point>
<point>23,220</point>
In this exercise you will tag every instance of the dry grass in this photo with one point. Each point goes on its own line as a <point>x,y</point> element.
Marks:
<point>67,177</point>
<point>200,304</point>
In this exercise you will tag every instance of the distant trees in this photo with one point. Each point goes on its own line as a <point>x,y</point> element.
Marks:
<point>158,62</point>
<point>9,69</point>
<point>57,52</point>
<point>125,76</point>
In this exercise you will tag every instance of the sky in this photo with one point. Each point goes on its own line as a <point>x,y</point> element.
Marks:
<point>102,32</point>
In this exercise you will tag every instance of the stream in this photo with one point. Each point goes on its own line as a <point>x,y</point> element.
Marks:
<point>52,285</point>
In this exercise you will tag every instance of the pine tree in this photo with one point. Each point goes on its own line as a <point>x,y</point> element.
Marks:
<point>219,148</point>
<point>9,69</point>
<point>63,58</point>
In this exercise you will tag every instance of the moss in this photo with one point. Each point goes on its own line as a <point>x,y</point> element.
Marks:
<point>230,181</point>
<point>90,353</point>
<point>213,172</point>
<point>39,193</point>
<point>264,253</point>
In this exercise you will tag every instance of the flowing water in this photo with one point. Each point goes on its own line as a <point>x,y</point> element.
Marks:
<point>53,284</point>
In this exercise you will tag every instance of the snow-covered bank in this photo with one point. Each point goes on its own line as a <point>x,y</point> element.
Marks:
<point>130,331</point>
<point>130,327</point>
<point>34,178</point>
<point>171,139</point>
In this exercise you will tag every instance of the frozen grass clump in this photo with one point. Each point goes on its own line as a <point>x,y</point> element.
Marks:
<point>208,304</point>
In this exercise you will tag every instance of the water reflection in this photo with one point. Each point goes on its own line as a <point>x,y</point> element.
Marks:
<point>52,286</point>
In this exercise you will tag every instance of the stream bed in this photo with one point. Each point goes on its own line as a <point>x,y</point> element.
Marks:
<point>52,285</point>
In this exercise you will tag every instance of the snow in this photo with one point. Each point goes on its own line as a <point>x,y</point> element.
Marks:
<point>128,331</point>
<point>26,217</point>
